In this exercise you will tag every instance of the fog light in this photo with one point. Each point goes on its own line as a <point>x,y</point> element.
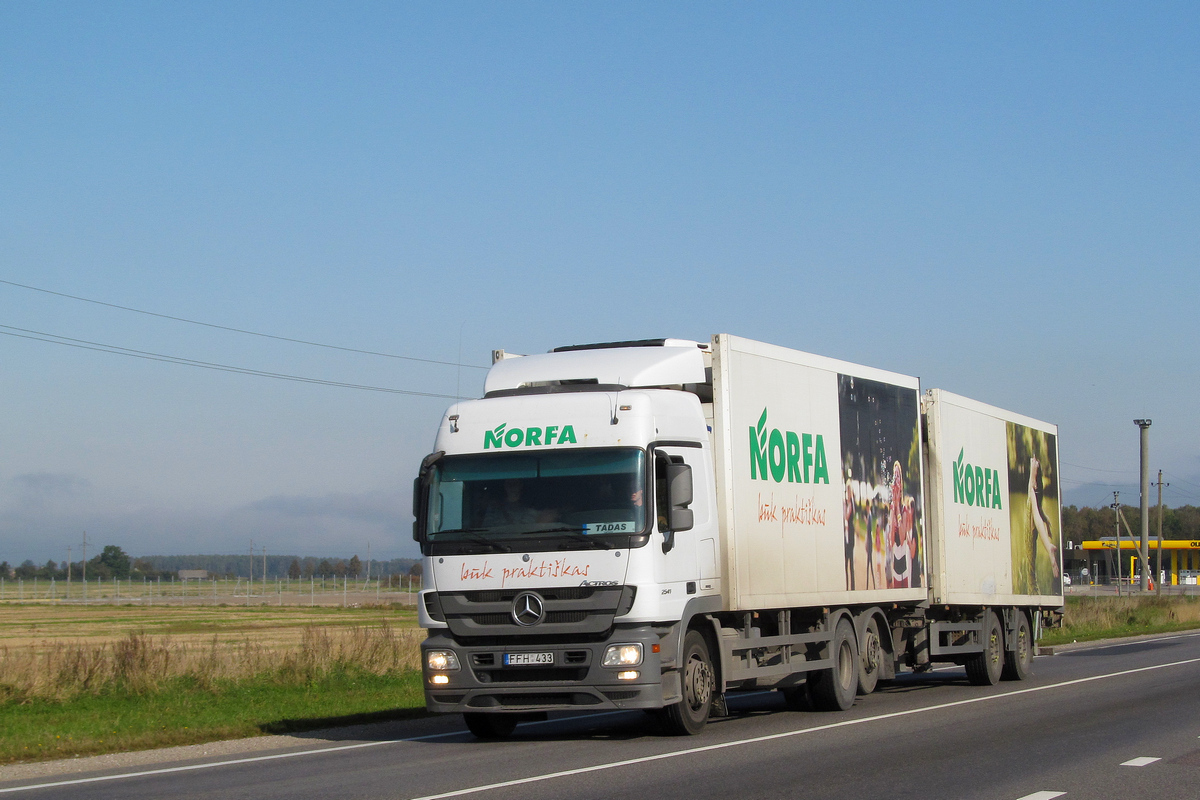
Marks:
<point>441,660</point>
<point>440,680</point>
<point>628,675</point>
<point>622,655</point>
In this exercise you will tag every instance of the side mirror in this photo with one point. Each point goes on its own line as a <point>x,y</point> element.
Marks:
<point>417,500</point>
<point>679,483</point>
<point>674,488</point>
<point>421,494</point>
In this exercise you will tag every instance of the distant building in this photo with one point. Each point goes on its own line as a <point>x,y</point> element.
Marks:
<point>193,574</point>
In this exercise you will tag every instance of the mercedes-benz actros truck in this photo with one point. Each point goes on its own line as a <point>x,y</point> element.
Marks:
<point>657,524</point>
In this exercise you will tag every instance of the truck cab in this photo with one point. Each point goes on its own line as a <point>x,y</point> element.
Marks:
<point>567,524</point>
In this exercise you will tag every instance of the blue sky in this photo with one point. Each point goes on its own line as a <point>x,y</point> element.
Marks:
<point>1000,200</point>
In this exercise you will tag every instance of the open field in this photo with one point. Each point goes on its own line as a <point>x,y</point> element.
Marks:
<point>39,626</point>
<point>78,680</point>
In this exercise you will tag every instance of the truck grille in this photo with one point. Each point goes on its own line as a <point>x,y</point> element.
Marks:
<point>568,610</point>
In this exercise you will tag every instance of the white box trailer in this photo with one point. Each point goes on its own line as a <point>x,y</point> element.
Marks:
<point>656,524</point>
<point>811,454</point>
<point>994,501</point>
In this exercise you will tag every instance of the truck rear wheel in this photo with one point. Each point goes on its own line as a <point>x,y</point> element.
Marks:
<point>870,658</point>
<point>1018,662</point>
<point>833,689</point>
<point>490,726</point>
<point>690,714</point>
<point>983,669</point>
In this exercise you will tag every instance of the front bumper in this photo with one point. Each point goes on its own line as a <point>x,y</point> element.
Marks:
<point>575,681</point>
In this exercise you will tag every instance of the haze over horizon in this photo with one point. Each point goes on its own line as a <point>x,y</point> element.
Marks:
<point>1001,201</point>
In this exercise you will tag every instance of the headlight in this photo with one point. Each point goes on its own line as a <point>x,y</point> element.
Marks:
<point>441,660</point>
<point>623,655</point>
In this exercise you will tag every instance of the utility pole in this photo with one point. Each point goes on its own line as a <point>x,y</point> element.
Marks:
<point>250,580</point>
<point>1158,578</point>
<point>265,573</point>
<point>368,563</point>
<point>68,572</point>
<point>1144,553</point>
<point>1116,507</point>
<point>85,568</point>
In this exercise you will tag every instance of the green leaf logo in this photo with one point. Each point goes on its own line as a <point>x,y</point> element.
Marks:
<point>762,422</point>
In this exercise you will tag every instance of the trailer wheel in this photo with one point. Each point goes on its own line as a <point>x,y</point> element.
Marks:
<point>490,726</point>
<point>870,658</point>
<point>689,715</point>
<point>1018,662</point>
<point>833,689</point>
<point>983,669</point>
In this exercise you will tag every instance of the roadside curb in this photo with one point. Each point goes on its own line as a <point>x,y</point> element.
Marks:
<point>1070,647</point>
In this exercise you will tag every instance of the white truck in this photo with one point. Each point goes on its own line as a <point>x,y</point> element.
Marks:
<point>656,524</point>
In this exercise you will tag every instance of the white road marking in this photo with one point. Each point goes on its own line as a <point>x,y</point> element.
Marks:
<point>788,734</point>
<point>274,756</point>
<point>1042,796</point>
<point>1140,761</point>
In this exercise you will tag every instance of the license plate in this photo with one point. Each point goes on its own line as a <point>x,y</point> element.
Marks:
<point>527,659</point>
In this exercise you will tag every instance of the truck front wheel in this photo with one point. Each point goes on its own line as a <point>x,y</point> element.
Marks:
<point>490,726</point>
<point>689,715</point>
<point>984,668</point>
<point>833,689</point>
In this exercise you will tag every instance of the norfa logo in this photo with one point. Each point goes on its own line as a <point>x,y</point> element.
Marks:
<point>975,486</point>
<point>800,458</point>
<point>527,437</point>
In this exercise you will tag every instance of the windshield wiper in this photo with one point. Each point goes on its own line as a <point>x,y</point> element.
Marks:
<point>472,535</point>
<point>576,534</point>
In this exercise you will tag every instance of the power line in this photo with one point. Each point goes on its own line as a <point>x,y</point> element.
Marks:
<point>1176,477</point>
<point>239,330</point>
<point>83,344</point>
<point>1097,469</point>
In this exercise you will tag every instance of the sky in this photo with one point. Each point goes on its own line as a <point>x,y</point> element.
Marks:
<point>1003,200</point>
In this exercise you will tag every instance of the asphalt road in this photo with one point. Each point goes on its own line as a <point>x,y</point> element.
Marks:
<point>1118,721</point>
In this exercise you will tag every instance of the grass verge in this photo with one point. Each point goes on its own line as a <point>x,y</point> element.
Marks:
<point>184,711</point>
<point>1091,618</point>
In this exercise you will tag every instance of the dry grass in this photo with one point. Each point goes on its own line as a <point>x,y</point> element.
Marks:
<point>60,657</point>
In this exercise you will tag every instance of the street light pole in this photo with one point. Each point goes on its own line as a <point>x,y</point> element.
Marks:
<point>1144,553</point>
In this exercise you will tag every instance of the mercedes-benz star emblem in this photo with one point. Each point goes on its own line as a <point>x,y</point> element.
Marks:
<point>528,609</point>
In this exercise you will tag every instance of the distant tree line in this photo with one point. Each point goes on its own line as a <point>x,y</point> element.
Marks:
<point>114,562</point>
<point>111,562</point>
<point>1091,524</point>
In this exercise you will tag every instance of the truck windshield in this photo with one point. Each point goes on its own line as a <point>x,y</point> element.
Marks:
<point>565,493</point>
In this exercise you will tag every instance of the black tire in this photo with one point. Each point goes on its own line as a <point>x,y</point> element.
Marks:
<point>834,689</point>
<point>689,716</point>
<point>490,726</point>
<point>1018,662</point>
<point>983,669</point>
<point>870,657</point>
